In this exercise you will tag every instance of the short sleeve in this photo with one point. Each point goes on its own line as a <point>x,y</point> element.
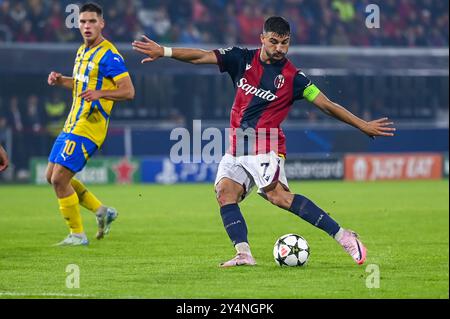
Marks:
<point>304,88</point>
<point>230,60</point>
<point>113,66</point>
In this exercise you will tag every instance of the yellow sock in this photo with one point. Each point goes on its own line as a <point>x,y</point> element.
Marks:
<point>87,199</point>
<point>71,211</point>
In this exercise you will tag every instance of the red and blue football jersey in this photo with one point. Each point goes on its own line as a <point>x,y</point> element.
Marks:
<point>264,96</point>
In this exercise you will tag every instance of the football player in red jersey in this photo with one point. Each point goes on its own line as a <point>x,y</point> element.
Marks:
<point>266,84</point>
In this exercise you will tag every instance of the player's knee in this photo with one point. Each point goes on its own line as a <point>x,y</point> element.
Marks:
<point>273,199</point>
<point>226,196</point>
<point>57,181</point>
<point>223,197</point>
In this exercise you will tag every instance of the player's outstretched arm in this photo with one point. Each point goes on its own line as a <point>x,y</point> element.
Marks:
<point>155,51</point>
<point>55,78</point>
<point>3,159</point>
<point>124,91</point>
<point>379,127</point>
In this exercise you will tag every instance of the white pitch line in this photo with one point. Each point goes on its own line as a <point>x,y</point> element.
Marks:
<point>51,294</point>
<point>43,294</point>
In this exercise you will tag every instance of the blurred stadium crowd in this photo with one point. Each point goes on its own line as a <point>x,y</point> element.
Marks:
<point>412,23</point>
<point>34,113</point>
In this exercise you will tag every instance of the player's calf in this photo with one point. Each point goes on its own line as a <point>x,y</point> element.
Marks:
<point>310,212</point>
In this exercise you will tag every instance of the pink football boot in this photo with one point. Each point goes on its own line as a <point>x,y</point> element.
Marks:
<point>240,259</point>
<point>352,245</point>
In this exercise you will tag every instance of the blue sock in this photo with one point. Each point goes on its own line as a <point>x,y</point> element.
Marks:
<point>234,223</point>
<point>307,210</point>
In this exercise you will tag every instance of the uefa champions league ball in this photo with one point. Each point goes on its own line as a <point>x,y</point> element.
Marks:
<point>291,250</point>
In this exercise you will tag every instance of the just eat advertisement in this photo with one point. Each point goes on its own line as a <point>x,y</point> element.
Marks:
<point>365,167</point>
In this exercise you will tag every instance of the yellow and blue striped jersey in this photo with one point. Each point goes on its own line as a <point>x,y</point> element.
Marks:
<point>96,68</point>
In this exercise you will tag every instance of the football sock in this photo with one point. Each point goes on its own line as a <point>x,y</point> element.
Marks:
<point>307,210</point>
<point>234,223</point>
<point>86,198</point>
<point>339,234</point>
<point>243,248</point>
<point>71,212</point>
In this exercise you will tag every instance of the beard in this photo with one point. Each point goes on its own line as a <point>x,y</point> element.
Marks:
<point>275,56</point>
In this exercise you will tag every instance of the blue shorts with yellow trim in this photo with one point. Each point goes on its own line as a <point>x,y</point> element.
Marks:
<point>72,151</point>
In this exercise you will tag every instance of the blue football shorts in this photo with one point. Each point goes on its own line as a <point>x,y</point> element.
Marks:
<point>72,151</point>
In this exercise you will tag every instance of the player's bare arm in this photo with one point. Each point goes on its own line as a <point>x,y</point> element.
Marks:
<point>55,78</point>
<point>155,51</point>
<point>379,127</point>
<point>3,159</point>
<point>124,91</point>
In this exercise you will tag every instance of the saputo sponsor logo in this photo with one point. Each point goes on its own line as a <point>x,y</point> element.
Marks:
<point>250,89</point>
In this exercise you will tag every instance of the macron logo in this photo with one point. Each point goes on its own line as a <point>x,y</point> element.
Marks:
<point>248,67</point>
<point>117,59</point>
<point>250,89</point>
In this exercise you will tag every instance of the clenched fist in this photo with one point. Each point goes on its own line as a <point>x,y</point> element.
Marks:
<point>53,78</point>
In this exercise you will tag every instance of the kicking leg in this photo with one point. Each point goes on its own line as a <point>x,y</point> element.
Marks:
<point>307,210</point>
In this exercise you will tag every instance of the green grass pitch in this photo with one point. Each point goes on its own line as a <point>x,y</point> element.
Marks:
<point>169,240</point>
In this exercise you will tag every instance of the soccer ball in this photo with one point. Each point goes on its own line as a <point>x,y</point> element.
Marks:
<point>291,250</point>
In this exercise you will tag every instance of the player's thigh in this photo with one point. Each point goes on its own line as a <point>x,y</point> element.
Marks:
<point>265,169</point>
<point>57,149</point>
<point>49,172</point>
<point>279,188</point>
<point>232,181</point>
<point>282,178</point>
<point>74,153</point>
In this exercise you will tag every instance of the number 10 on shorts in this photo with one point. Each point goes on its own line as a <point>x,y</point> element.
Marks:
<point>69,148</point>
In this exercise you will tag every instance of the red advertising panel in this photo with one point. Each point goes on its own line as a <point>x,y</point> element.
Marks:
<point>365,167</point>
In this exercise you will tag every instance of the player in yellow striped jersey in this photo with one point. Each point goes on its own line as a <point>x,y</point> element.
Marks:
<point>99,78</point>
